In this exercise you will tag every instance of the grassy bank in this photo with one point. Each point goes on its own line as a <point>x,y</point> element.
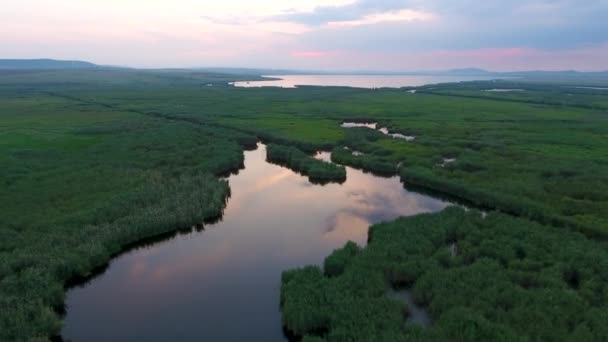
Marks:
<point>82,181</point>
<point>496,278</point>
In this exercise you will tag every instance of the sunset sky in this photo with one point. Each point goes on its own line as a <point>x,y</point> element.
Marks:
<point>312,34</point>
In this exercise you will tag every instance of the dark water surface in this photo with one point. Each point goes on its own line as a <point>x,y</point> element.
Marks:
<point>222,284</point>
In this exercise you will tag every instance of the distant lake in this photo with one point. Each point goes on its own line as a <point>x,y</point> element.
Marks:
<point>358,81</point>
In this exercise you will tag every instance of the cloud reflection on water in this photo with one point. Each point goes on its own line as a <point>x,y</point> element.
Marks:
<point>188,286</point>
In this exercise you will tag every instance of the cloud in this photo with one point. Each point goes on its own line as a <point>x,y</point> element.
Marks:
<point>309,53</point>
<point>309,34</point>
<point>384,17</point>
<point>466,24</point>
<point>322,15</point>
<point>498,59</point>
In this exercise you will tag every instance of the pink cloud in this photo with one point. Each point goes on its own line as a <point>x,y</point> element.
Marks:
<point>518,58</point>
<point>391,16</point>
<point>498,59</point>
<point>481,53</point>
<point>312,54</point>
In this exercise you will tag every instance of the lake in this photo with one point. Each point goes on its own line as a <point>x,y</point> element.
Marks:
<point>358,81</point>
<point>221,282</point>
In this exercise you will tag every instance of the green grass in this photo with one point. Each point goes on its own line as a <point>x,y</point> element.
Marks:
<point>93,160</point>
<point>80,182</point>
<point>315,131</point>
<point>491,138</point>
<point>496,278</point>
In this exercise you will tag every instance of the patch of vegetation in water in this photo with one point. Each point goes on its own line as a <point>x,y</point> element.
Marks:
<point>367,162</point>
<point>511,280</point>
<point>317,170</point>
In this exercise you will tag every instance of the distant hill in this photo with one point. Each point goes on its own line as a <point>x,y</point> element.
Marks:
<point>530,73</point>
<point>23,64</point>
<point>253,71</point>
<point>557,74</point>
<point>451,72</point>
<point>52,64</point>
<point>467,71</point>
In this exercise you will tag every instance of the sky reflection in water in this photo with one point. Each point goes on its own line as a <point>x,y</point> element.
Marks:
<point>357,81</point>
<point>223,283</point>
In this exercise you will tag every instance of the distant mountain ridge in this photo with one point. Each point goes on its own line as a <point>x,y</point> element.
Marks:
<point>565,73</point>
<point>254,71</point>
<point>23,64</point>
<point>449,72</point>
<point>52,64</point>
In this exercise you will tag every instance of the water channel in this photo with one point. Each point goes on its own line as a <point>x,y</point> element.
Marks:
<point>221,283</point>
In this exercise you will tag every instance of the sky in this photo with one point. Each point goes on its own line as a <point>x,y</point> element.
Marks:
<point>382,35</point>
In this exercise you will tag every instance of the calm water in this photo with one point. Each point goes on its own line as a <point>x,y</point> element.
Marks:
<point>222,284</point>
<point>358,81</point>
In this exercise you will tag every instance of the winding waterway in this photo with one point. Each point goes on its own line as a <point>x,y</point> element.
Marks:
<point>222,283</point>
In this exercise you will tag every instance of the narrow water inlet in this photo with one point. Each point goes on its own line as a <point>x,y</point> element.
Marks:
<point>453,249</point>
<point>370,125</point>
<point>503,90</point>
<point>417,315</point>
<point>447,161</point>
<point>324,156</point>
<point>374,126</point>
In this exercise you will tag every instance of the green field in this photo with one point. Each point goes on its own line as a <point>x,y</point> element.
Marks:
<point>494,278</point>
<point>92,161</point>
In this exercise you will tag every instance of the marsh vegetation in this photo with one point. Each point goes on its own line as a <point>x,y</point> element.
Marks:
<point>526,282</point>
<point>318,171</point>
<point>93,160</point>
